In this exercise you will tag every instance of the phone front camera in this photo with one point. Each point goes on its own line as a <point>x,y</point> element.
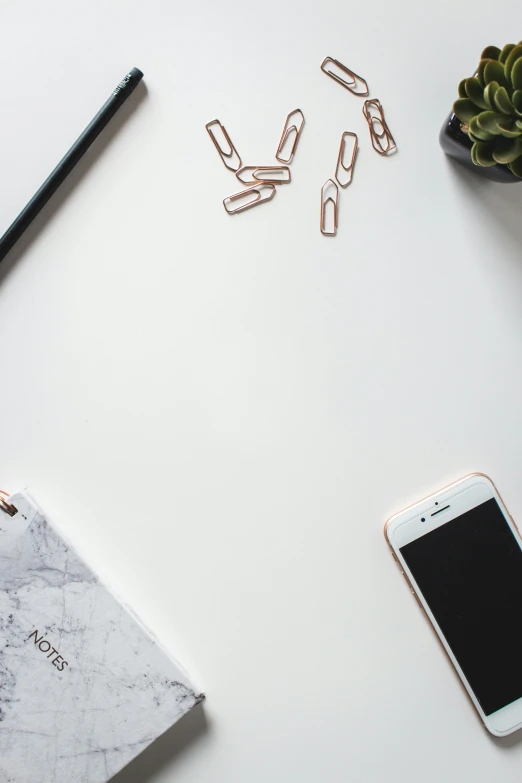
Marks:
<point>423,519</point>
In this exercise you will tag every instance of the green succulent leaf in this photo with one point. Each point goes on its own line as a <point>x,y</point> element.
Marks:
<point>483,136</point>
<point>465,110</point>
<point>494,72</point>
<point>513,56</point>
<point>517,101</point>
<point>491,53</point>
<point>462,89</point>
<point>507,150</point>
<point>516,166</point>
<point>489,94</point>
<point>480,71</point>
<point>474,153</point>
<point>502,101</point>
<point>475,92</point>
<point>484,154</point>
<point>506,51</point>
<point>518,123</point>
<point>489,121</point>
<point>478,133</point>
<point>509,129</point>
<point>516,74</point>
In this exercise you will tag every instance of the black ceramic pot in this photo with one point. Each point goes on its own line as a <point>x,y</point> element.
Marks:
<point>457,144</point>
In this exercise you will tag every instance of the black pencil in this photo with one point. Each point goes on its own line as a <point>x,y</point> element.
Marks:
<point>66,165</point>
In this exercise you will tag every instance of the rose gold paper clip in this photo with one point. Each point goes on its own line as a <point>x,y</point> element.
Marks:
<point>292,128</point>
<point>230,156</point>
<point>350,80</point>
<point>343,172</point>
<point>325,201</point>
<point>382,140</point>
<point>258,192</point>
<point>5,506</point>
<point>270,175</point>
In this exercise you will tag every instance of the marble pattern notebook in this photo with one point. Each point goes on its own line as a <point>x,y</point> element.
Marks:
<point>84,687</point>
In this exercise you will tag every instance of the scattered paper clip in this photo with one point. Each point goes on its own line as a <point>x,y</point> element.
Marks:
<point>258,198</point>
<point>382,140</point>
<point>230,158</point>
<point>270,175</point>
<point>290,129</point>
<point>356,84</point>
<point>343,172</point>
<point>334,201</point>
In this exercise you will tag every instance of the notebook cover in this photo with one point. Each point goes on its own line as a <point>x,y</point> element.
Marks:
<point>84,687</point>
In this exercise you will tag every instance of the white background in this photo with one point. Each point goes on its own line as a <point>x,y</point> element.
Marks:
<point>222,412</point>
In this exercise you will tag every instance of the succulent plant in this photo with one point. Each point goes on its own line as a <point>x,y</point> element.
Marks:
<point>490,108</point>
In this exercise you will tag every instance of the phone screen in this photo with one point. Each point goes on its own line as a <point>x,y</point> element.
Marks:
<point>469,572</point>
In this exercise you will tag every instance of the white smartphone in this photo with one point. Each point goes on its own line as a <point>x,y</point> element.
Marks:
<point>461,555</point>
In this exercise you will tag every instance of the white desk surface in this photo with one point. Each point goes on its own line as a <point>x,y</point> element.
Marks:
<point>222,412</point>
